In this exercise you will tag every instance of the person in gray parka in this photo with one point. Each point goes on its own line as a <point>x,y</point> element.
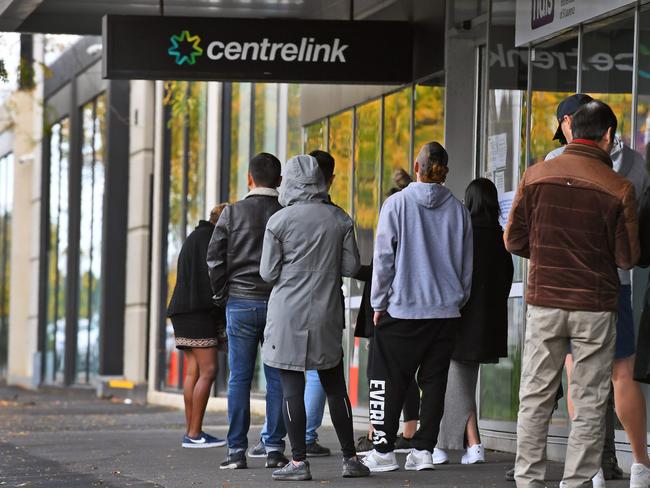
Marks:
<point>308,246</point>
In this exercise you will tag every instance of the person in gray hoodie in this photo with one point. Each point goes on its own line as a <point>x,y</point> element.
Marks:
<point>422,277</point>
<point>308,246</point>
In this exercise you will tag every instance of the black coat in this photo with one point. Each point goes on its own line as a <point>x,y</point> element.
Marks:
<point>193,292</point>
<point>483,329</point>
<point>365,327</point>
<point>642,366</point>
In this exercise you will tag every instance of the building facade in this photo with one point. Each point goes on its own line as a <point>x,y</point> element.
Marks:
<point>121,172</point>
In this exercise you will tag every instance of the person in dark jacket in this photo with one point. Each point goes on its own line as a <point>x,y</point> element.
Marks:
<point>199,328</point>
<point>483,329</point>
<point>233,260</point>
<point>642,364</point>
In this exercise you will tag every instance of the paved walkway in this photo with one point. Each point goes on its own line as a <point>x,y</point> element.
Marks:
<point>68,438</point>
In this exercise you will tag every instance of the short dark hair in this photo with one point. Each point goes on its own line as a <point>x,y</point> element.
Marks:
<point>482,200</point>
<point>592,120</point>
<point>325,163</point>
<point>265,169</point>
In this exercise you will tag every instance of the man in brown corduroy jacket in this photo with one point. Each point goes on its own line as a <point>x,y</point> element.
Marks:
<point>575,219</point>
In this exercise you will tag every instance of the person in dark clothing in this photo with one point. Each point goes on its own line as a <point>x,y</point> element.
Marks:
<point>234,264</point>
<point>199,329</point>
<point>483,329</point>
<point>642,363</point>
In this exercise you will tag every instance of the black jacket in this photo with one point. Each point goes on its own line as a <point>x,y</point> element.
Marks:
<point>365,327</point>
<point>235,249</point>
<point>642,366</point>
<point>193,292</point>
<point>483,329</point>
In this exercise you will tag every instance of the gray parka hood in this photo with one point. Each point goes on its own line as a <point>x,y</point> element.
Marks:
<point>302,180</point>
<point>429,195</point>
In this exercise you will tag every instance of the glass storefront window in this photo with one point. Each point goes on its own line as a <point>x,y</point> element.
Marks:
<point>266,117</point>
<point>57,254</point>
<point>397,137</point>
<point>186,201</point>
<point>90,238</point>
<point>240,139</point>
<point>6,210</point>
<point>553,79</point>
<point>607,55</point>
<point>429,115</point>
<point>316,136</point>
<point>340,147</point>
<point>643,80</point>
<point>294,132</point>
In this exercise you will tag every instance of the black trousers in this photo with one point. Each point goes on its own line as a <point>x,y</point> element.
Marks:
<point>411,408</point>
<point>295,418</point>
<point>402,348</point>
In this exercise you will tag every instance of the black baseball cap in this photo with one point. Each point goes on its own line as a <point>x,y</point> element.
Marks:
<point>569,106</point>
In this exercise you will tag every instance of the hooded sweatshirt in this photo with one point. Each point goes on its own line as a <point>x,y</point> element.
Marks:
<point>423,254</point>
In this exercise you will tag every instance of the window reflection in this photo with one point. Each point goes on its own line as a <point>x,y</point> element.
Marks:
<point>240,139</point>
<point>6,210</point>
<point>316,136</point>
<point>294,133</point>
<point>429,116</point>
<point>57,256</point>
<point>340,144</point>
<point>397,137</point>
<point>90,238</point>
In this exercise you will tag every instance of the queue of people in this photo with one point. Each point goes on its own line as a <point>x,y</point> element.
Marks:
<point>268,272</point>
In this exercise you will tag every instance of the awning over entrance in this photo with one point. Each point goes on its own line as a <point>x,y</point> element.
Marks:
<point>84,17</point>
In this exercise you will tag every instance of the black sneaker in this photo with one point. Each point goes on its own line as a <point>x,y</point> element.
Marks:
<point>275,459</point>
<point>293,472</point>
<point>403,444</point>
<point>510,474</point>
<point>258,451</point>
<point>236,460</point>
<point>353,468</point>
<point>314,449</point>
<point>364,446</point>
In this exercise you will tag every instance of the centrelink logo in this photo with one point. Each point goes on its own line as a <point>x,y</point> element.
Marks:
<point>185,49</point>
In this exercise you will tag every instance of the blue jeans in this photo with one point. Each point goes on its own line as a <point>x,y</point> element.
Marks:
<point>314,407</point>
<point>245,324</point>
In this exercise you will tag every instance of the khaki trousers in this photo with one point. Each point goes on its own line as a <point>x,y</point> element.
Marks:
<point>592,336</point>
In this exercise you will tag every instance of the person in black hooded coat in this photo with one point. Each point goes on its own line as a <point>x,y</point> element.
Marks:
<point>642,364</point>
<point>483,328</point>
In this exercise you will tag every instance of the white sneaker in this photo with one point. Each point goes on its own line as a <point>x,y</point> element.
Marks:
<point>440,456</point>
<point>639,476</point>
<point>418,460</point>
<point>378,462</point>
<point>599,480</point>
<point>474,455</point>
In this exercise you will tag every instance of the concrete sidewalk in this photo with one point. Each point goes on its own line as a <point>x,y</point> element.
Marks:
<point>68,438</point>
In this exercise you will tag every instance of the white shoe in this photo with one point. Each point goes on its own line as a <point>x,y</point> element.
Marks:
<point>639,476</point>
<point>418,460</point>
<point>440,456</point>
<point>474,455</point>
<point>378,462</point>
<point>599,480</point>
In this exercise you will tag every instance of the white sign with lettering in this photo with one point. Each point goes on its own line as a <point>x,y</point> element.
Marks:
<point>538,19</point>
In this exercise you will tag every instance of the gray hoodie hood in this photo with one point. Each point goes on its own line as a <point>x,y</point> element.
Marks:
<point>429,195</point>
<point>302,180</point>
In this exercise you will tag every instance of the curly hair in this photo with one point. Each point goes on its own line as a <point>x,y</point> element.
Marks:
<point>215,213</point>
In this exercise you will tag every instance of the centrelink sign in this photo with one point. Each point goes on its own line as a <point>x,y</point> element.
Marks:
<point>186,48</point>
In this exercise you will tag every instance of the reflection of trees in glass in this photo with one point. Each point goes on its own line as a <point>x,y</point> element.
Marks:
<point>6,207</point>
<point>239,139</point>
<point>57,251</point>
<point>367,158</point>
<point>543,123</point>
<point>266,118</point>
<point>397,137</point>
<point>429,115</point>
<point>340,142</point>
<point>293,121</point>
<point>187,133</point>
<point>316,136</point>
<point>621,104</point>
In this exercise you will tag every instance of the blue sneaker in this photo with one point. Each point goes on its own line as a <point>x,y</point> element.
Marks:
<point>203,441</point>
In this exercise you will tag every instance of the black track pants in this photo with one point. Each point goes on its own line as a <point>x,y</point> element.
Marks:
<point>295,419</point>
<point>402,348</point>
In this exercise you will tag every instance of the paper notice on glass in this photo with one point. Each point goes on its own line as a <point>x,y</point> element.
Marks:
<point>500,181</point>
<point>505,204</point>
<point>497,150</point>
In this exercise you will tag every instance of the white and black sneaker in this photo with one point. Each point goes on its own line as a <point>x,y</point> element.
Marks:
<point>257,451</point>
<point>418,460</point>
<point>293,472</point>
<point>378,462</point>
<point>203,441</point>
<point>235,460</point>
